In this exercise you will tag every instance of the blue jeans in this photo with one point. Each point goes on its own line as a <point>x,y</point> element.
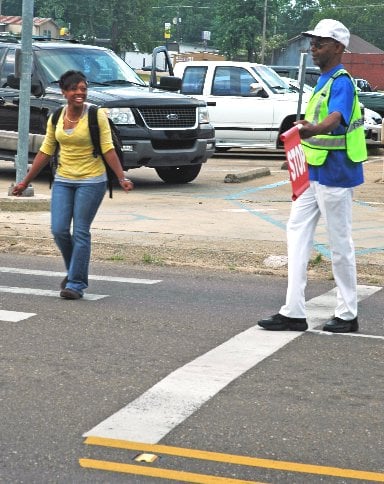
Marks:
<point>76,204</point>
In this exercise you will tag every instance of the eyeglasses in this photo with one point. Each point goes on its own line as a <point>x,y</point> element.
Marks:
<point>319,44</point>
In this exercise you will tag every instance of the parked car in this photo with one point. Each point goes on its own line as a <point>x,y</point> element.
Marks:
<point>372,120</point>
<point>249,104</point>
<point>311,73</point>
<point>373,100</point>
<point>295,86</point>
<point>363,85</point>
<point>162,130</point>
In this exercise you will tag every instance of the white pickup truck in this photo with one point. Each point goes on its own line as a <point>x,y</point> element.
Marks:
<point>249,104</point>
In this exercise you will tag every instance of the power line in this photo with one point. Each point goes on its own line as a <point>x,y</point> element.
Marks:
<point>345,6</point>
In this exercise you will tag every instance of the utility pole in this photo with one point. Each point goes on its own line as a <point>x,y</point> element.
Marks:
<point>21,159</point>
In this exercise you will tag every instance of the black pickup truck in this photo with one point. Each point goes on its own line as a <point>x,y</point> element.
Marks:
<point>160,129</point>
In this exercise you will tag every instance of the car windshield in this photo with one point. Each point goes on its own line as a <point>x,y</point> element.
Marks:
<point>271,79</point>
<point>99,66</point>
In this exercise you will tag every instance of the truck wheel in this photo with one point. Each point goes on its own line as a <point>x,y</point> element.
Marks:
<point>178,174</point>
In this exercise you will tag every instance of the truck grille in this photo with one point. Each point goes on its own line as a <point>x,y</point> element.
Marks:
<point>169,117</point>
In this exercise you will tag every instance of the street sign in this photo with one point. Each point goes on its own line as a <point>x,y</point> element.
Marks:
<point>297,164</point>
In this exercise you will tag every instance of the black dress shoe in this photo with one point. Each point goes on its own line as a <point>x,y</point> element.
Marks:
<point>70,294</point>
<point>278,322</point>
<point>338,325</point>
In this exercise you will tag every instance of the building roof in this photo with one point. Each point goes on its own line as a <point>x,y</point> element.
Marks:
<point>18,20</point>
<point>357,45</point>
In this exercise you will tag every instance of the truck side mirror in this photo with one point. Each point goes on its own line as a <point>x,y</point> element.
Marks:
<point>163,51</point>
<point>170,83</point>
<point>13,81</point>
<point>255,88</point>
<point>36,88</point>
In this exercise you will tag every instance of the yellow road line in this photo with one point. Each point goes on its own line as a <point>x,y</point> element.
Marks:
<point>238,459</point>
<point>161,473</point>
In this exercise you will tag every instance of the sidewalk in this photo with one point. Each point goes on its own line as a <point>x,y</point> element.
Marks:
<point>205,224</point>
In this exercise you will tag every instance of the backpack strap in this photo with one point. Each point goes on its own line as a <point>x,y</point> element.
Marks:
<point>94,130</point>
<point>56,116</point>
<point>53,161</point>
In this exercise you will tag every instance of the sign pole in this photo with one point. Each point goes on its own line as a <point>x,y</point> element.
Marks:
<point>21,159</point>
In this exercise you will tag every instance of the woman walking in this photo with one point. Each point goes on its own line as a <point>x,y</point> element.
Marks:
<point>80,181</point>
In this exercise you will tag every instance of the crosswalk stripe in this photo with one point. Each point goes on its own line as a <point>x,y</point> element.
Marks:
<point>173,399</point>
<point>128,280</point>
<point>45,292</point>
<point>14,316</point>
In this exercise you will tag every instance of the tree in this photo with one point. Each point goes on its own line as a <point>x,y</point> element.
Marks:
<point>11,7</point>
<point>295,17</point>
<point>124,22</point>
<point>361,18</point>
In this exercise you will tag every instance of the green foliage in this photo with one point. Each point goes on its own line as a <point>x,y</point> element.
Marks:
<point>11,7</point>
<point>361,18</point>
<point>236,26</point>
<point>150,259</point>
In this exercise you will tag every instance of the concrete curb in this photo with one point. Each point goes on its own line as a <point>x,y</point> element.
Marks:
<point>247,175</point>
<point>37,203</point>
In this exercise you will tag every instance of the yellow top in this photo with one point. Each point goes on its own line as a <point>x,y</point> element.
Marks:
<point>76,149</point>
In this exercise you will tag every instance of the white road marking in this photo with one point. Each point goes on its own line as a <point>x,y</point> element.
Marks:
<point>45,292</point>
<point>168,403</point>
<point>129,280</point>
<point>319,308</point>
<point>351,335</point>
<point>14,316</point>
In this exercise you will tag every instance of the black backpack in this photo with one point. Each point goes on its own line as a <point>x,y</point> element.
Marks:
<point>95,137</point>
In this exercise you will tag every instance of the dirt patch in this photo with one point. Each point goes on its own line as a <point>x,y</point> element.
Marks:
<point>242,256</point>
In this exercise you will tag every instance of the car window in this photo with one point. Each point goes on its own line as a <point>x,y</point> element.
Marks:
<point>8,65</point>
<point>98,65</point>
<point>271,79</point>
<point>232,81</point>
<point>311,73</point>
<point>193,80</point>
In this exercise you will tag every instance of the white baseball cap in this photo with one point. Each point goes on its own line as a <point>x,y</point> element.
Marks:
<point>332,29</point>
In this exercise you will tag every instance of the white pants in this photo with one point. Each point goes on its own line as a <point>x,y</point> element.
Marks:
<point>335,205</point>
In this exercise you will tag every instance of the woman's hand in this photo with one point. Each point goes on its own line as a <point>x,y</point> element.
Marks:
<point>18,189</point>
<point>126,184</point>
<point>40,160</point>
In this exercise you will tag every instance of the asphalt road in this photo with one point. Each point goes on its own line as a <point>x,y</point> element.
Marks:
<point>175,357</point>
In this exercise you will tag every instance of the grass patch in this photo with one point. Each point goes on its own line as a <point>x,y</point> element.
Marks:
<point>317,260</point>
<point>232,267</point>
<point>116,257</point>
<point>150,259</point>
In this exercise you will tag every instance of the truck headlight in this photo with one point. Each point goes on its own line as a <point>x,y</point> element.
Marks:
<point>203,115</point>
<point>121,115</point>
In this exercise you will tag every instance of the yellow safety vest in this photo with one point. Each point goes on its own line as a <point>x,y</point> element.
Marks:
<point>353,141</point>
